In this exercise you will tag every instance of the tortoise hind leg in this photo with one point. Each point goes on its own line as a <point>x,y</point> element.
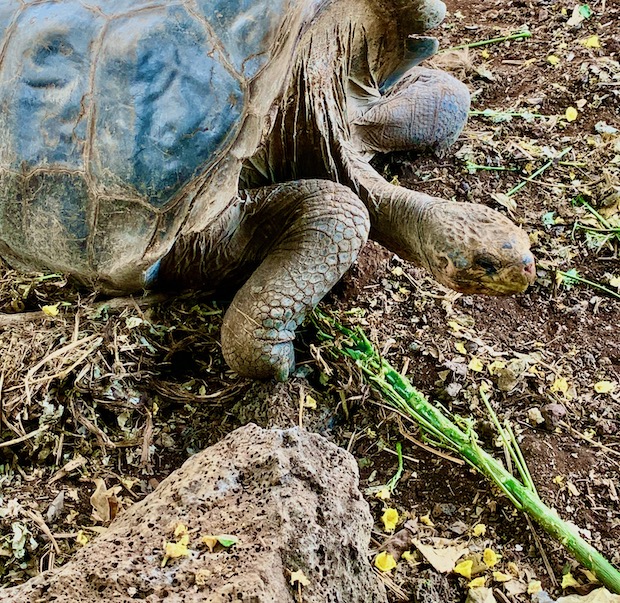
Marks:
<point>298,238</point>
<point>425,109</point>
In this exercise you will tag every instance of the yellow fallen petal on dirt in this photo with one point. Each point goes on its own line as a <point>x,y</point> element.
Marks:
<point>571,114</point>
<point>479,529</point>
<point>490,557</point>
<point>559,480</point>
<point>310,402</point>
<point>552,59</point>
<point>614,281</point>
<point>513,568</point>
<point>407,556</point>
<point>534,587</point>
<point>81,538</point>
<point>51,310</point>
<point>501,577</point>
<point>390,519</point>
<point>460,348</point>
<point>180,530</point>
<point>568,580</point>
<point>210,541</point>
<point>496,366</point>
<point>427,521</point>
<point>475,364</point>
<point>477,582</point>
<point>174,550</point>
<point>464,568</point>
<point>300,577</point>
<point>560,385</point>
<point>591,42</point>
<point>385,562</point>
<point>604,387</point>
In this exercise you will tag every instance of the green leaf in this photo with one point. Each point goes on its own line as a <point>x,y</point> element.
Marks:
<point>585,11</point>
<point>227,541</point>
<point>548,219</point>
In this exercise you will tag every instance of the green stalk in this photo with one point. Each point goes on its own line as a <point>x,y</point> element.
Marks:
<point>397,389</point>
<point>538,172</point>
<point>515,36</point>
<point>579,279</point>
<point>597,215</point>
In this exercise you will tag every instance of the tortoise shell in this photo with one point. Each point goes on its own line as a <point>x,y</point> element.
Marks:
<point>123,122</point>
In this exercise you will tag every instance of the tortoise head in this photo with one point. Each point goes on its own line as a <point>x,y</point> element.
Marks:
<point>474,249</point>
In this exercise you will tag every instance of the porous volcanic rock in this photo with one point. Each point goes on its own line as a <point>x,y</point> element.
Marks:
<point>288,496</point>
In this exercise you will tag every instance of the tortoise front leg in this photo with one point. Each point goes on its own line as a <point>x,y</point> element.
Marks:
<point>425,109</point>
<point>295,240</point>
<point>317,229</point>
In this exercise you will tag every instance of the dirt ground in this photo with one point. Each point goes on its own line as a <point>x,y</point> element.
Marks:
<point>111,396</point>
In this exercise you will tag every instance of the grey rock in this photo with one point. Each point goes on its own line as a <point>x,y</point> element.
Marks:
<point>291,499</point>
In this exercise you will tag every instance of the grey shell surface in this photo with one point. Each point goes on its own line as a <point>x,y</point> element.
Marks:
<point>120,118</point>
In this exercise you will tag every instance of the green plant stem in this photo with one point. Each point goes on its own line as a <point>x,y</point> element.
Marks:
<point>492,113</point>
<point>579,279</point>
<point>397,389</point>
<point>601,219</point>
<point>514,36</point>
<point>488,168</point>
<point>537,173</point>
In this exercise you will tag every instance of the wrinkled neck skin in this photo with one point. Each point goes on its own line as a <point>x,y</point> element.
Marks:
<point>351,50</point>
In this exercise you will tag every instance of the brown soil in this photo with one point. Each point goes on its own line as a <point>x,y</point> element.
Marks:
<point>125,391</point>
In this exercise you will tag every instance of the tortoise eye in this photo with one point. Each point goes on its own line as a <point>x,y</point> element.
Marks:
<point>487,263</point>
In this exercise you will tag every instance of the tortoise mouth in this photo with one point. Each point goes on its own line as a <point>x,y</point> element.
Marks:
<point>507,281</point>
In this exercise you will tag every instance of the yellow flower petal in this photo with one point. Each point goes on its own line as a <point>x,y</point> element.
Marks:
<point>51,310</point>
<point>476,582</point>
<point>464,568</point>
<point>591,42</point>
<point>490,557</point>
<point>390,519</point>
<point>552,59</point>
<point>407,556</point>
<point>385,562</point>
<point>81,538</point>
<point>560,385</point>
<point>604,387</point>
<point>501,577</point>
<point>173,550</point>
<point>310,402</point>
<point>571,114</point>
<point>568,580</point>
<point>383,494</point>
<point>427,521</point>
<point>534,587</point>
<point>475,365</point>
<point>480,529</point>
<point>460,348</point>
<point>300,577</point>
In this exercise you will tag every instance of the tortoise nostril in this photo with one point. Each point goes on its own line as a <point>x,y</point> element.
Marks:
<point>529,265</point>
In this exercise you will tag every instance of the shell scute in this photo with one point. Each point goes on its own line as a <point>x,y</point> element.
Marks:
<point>165,103</point>
<point>246,28</point>
<point>44,82</point>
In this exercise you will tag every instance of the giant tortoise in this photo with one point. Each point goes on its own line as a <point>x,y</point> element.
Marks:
<point>202,143</point>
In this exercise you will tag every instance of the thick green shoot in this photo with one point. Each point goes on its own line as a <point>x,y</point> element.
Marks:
<point>457,435</point>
